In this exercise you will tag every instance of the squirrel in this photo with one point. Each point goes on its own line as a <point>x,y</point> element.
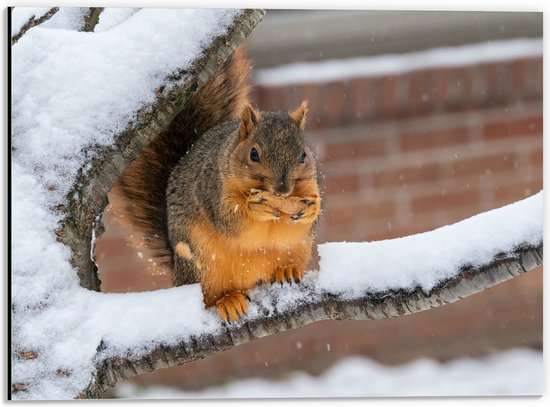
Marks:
<point>227,196</point>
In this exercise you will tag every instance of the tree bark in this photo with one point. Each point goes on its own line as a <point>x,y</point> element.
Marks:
<point>91,19</point>
<point>88,197</point>
<point>33,22</point>
<point>377,305</point>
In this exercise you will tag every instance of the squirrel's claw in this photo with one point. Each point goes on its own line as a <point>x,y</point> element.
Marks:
<point>232,306</point>
<point>289,274</point>
<point>297,216</point>
<point>309,211</point>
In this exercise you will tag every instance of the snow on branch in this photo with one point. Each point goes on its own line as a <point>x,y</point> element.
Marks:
<point>107,94</point>
<point>20,27</point>
<point>307,303</point>
<point>69,18</point>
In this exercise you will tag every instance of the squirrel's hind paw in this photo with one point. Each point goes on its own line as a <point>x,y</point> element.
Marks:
<point>232,306</point>
<point>288,274</point>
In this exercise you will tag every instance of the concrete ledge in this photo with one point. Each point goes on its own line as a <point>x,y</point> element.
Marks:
<point>287,36</point>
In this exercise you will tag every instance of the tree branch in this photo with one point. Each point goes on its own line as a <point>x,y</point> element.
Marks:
<point>33,22</point>
<point>377,305</point>
<point>91,19</point>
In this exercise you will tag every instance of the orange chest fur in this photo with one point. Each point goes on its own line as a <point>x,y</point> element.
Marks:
<point>279,235</point>
<point>282,233</point>
<point>228,263</point>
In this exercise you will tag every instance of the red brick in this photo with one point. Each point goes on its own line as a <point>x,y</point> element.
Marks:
<point>505,194</point>
<point>350,213</point>
<point>358,96</point>
<point>406,175</point>
<point>434,139</point>
<point>528,126</point>
<point>419,92</point>
<point>271,97</point>
<point>519,75</point>
<point>527,78</point>
<point>482,165</point>
<point>292,98</point>
<point>460,88</point>
<point>536,158</point>
<point>355,149</point>
<point>401,105</point>
<point>310,92</point>
<point>441,83</point>
<point>499,86</point>
<point>386,102</point>
<point>348,115</point>
<point>478,91</point>
<point>333,96</point>
<point>536,80</point>
<point>342,183</point>
<point>452,199</point>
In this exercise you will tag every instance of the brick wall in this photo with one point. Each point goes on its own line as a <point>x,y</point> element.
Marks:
<point>404,154</point>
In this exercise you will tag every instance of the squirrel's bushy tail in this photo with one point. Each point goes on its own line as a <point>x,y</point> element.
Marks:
<point>142,186</point>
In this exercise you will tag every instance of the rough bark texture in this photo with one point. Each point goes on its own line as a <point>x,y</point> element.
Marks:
<point>88,197</point>
<point>378,305</point>
<point>91,19</point>
<point>33,22</point>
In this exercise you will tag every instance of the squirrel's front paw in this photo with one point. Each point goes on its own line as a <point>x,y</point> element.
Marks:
<point>308,211</point>
<point>288,273</point>
<point>232,306</point>
<point>260,209</point>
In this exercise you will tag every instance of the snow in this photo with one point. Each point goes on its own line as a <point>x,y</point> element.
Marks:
<point>362,377</point>
<point>111,17</point>
<point>425,259</point>
<point>73,91</point>
<point>343,69</point>
<point>68,18</point>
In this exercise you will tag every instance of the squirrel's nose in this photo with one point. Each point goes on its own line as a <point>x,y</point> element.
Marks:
<point>283,194</point>
<point>282,189</point>
<point>283,185</point>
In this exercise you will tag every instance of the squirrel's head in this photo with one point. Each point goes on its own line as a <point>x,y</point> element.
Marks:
<point>271,150</point>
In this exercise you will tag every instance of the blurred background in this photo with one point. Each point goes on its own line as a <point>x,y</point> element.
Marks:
<point>420,119</point>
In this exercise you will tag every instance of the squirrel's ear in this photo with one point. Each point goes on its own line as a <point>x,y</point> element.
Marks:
<point>249,120</point>
<point>299,115</point>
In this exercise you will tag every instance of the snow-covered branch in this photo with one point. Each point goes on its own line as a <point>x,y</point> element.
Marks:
<point>312,308</point>
<point>72,18</point>
<point>19,27</point>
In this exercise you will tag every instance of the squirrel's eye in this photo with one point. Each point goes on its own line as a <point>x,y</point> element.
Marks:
<point>254,156</point>
<point>303,158</point>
